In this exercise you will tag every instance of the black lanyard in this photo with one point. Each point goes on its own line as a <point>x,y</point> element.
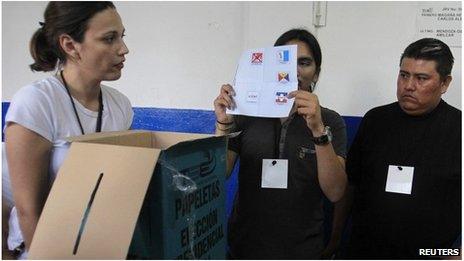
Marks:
<point>100,107</point>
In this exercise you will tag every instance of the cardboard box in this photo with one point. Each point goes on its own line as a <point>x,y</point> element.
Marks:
<point>161,193</point>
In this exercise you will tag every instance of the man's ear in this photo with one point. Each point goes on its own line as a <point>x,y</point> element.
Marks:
<point>69,46</point>
<point>445,84</point>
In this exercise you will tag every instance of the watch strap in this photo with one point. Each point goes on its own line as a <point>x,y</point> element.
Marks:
<point>325,138</point>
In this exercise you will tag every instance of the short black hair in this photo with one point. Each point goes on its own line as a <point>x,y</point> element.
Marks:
<point>432,50</point>
<point>306,37</point>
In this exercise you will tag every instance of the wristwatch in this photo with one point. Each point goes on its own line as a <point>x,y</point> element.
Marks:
<point>325,138</point>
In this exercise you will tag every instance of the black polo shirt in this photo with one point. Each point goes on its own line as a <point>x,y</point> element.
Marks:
<point>287,223</point>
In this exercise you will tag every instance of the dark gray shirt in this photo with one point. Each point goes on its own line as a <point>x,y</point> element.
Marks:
<point>279,223</point>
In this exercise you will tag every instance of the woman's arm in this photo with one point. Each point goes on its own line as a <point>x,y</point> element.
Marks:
<point>331,172</point>
<point>225,123</point>
<point>28,157</point>
<point>330,167</point>
<point>231,155</point>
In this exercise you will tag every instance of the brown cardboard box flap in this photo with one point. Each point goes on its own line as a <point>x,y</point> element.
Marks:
<point>136,138</point>
<point>117,178</point>
<point>164,140</point>
<point>139,138</point>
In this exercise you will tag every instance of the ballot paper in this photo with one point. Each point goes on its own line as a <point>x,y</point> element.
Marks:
<point>264,78</point>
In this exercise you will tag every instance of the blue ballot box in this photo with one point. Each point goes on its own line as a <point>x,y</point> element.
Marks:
<point>183,215</point>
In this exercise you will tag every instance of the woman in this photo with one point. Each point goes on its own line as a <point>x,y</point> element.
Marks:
<point>268,223</point>
<point>84,42</point>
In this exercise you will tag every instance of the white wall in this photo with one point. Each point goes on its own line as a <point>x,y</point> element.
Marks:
<point>361,47</point>
<point>181,52</point>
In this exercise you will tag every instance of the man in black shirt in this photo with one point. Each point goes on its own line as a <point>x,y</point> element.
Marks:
<point>404,166</point>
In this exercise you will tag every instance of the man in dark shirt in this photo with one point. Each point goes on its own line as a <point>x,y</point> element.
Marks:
<point>404,166</point>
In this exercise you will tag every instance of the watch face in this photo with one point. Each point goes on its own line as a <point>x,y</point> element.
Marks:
<point>329,133</point>
<point>325,138</point>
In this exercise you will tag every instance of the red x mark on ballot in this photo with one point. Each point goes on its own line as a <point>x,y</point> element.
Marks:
<point>256,58</point>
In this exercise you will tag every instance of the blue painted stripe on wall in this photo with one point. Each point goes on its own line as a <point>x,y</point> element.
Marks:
<point>352,124</point>
<point>193,121</point>
<point>5,106</point>
<point>187,120</point>
<point>178,120</point>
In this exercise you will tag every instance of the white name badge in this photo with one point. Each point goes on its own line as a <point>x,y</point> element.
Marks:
<point>275,173</point>
<point>399,179</point>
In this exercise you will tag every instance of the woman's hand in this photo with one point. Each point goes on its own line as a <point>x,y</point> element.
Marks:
<point>307,105</point>
<point>223,101</point>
